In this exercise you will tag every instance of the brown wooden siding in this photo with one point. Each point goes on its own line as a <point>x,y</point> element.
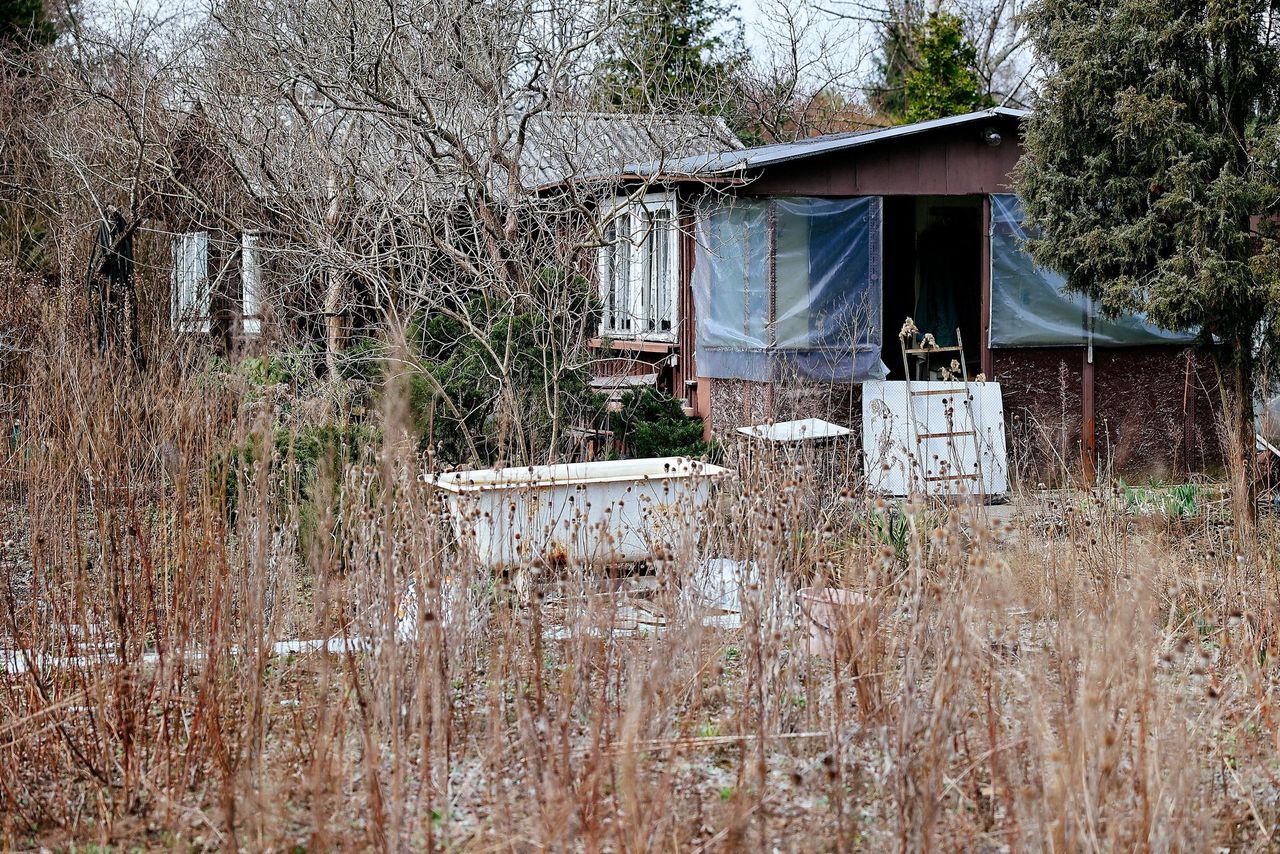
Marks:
<point>949,162</point>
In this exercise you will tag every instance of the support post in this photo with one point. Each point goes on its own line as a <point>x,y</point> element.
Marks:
<point>984,310</point>
<point>1087,445</point>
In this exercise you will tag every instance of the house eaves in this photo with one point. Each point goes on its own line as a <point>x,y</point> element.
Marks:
<point>720,164</point>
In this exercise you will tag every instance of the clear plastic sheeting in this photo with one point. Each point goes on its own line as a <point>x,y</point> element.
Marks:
<point>731,290</point>
<point>819,317</point>
<point>1030,308</point>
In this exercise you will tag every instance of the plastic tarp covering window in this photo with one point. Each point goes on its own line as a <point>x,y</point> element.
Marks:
<point>1030,308</point>
<point>731,290</point>
<point>825,324</point>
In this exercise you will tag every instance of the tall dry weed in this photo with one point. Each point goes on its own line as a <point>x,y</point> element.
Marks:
<point>1069,677</point>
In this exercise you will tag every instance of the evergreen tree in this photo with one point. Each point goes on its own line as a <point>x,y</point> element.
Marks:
<point>927,67</point>
<point>24,21</point>
<point>943,82</point>
<point>676,56</point>
<point>1150,156</point>
<point>24,29</point>
<point>893,63</point>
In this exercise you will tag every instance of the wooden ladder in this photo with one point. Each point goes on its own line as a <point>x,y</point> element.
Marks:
<point>919,437</point>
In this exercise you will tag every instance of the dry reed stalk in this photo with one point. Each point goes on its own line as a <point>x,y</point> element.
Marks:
<point>1076,679</point>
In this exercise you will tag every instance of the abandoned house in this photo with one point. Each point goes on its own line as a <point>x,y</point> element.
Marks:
<point>767,283</point>
<point>226,279</point>
<point>794,266</point>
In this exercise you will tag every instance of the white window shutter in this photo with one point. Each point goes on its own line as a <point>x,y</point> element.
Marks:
<point>177,254</point>
<point>190,281</point>
<point>250,284</point>
<point>649,270</point>
<point>605,260</point>
<point>669,297</point>
<point>200,279</point>
<point>624,273</point>
<point>639,253</point>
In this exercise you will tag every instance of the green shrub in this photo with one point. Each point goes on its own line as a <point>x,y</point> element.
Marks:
<point>504,364</point>
<point>363,361</point>
<point>301,461</point>
<point>652,423</point>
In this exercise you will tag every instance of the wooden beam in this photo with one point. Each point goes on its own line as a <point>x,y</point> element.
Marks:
<point>633,345</point>
<point>703,397</point>
<point>937,391</point>
<point>1087,445</point>
<point>984,311</point>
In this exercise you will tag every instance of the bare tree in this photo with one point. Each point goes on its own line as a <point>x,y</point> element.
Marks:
<point>803,78</point>
<point>996,28</point>
<point>429,176</point>
<point>92,156</point>
<point>413,164</point>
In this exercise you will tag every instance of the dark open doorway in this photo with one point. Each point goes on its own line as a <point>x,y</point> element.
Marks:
<point>933,273</point>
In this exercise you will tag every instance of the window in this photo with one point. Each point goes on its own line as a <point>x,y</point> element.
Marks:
<point>190,281</point>
<point>1030,306</point>
<point>637,268</point>
<point>250,285</point>
<point>788,287</point>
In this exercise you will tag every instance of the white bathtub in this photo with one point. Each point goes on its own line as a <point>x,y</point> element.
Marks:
<point>600,513</point>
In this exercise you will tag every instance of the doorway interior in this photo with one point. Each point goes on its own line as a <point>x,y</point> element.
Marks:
<point>932,253</point>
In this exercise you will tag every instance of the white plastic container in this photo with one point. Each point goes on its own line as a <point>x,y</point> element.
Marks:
<point>600,513</point>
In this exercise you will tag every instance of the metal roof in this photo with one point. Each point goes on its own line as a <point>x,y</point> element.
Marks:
<point>564,146</point>
<point>742,160</point>
<point>558,147</point>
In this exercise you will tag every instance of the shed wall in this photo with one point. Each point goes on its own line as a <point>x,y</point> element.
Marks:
<point>1144,428</point>
<point>1152,413</point>
<point>953,161</point>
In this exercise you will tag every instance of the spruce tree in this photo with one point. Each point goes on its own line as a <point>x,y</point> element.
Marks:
<point>927,68</point>
<point>676,56</point>
<point>24,22</point>
<point>944,82</point>
<point>1150,173</point>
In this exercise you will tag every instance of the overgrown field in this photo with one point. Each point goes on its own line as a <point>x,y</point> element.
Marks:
<point>1081,673</point>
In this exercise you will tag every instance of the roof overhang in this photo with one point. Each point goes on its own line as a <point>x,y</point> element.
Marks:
<point>723,164</point>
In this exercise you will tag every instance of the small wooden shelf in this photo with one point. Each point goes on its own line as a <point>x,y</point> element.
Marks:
<point>933,392</point>
<point>926,436</point>
<point>634,345</point>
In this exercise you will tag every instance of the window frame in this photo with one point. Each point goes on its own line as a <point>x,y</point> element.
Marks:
<point>189,282</point>
<point>250,283</point>
<point>626,271</point>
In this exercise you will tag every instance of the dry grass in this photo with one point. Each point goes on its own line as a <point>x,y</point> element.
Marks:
<point>1075,679</point>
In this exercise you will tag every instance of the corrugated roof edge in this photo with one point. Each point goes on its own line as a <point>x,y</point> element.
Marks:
<point>741,160</point>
